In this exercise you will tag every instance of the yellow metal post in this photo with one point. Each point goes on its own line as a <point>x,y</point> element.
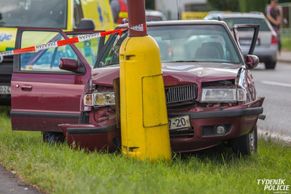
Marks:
<point>144,121</point>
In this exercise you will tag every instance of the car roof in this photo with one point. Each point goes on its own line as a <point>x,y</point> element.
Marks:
<point>237,14</point>
<point>181,22</point>
<point>154,13</point>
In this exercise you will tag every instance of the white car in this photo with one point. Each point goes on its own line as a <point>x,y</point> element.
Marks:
<point>267,43</point>
<point>154,15</point>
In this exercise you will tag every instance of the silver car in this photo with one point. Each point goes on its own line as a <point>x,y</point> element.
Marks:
<point>267,43</point>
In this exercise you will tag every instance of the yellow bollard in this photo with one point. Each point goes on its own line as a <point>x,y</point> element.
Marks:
<point>144,120</point>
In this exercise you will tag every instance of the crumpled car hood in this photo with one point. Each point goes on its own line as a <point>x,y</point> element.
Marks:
<point>176,73</point>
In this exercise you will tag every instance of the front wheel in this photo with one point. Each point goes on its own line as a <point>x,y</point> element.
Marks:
<point>270,64</point>
<point>53,137</point>
<point>246,144</point>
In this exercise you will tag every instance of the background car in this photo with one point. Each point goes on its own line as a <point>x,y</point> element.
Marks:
<point>210,92</point>
<point>66,14</point>
<point>267,43</point>
<point>154,15</point>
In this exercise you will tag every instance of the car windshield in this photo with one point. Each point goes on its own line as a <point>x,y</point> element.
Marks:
<point>33,13</point>
<point>184,43</point>
<point>257,21</point>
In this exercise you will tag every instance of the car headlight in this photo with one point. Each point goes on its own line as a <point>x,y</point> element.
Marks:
<point>99,99</point>
<point>223,95</point>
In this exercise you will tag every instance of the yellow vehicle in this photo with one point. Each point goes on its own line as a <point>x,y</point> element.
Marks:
<point>194,15</point>
<point>67,15</point>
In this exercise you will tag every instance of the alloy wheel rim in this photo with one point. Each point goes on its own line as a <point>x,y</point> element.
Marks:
<point>252,141</point>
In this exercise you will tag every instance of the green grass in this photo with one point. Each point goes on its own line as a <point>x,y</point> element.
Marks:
<point>286,43</point>
<point>59,169</point>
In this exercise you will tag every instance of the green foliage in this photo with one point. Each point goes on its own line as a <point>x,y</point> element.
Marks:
<point>61,170</point>
<point>150,4</point>
<point>225,5</point>
<point>286,43</point>
<point>239,5</point>
<point>285,1</point>
<point>251,5</point>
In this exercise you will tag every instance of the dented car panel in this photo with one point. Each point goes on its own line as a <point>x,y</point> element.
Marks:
<point>85,136</point>
<point>238,119</point>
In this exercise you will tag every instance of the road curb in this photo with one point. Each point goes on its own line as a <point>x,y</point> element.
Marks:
<point>274,137</point>
<point>284,61</point>
<point>284,57</point>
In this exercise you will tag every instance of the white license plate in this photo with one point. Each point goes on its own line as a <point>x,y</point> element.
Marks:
<point>179,122</point>
<point>4,89</point>
<point>248,42</point>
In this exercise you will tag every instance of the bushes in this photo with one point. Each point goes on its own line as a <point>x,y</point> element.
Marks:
<point>225,5</point>
<point>239,5</point>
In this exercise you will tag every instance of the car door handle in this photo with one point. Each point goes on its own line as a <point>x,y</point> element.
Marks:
<point>26,87</point>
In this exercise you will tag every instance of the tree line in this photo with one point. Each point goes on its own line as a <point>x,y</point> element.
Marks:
<point>240,5</point>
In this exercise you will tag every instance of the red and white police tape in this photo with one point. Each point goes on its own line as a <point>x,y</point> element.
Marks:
<point>76,39</point>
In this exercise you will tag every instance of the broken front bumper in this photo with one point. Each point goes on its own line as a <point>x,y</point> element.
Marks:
<point>237,121</point>
<point>206,126</point>
<point>90,137</point>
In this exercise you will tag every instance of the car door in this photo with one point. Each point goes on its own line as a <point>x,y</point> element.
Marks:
<point>43,95</point>
<point>89,48</point>
<point>240,30</point>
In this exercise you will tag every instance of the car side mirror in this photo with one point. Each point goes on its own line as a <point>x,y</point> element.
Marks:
<point>70,65</point>
<point>86,24</point>
<point>1,58</point>
<point>251,61</point>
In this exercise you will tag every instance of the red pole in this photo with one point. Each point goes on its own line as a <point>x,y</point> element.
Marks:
<point>136,18</point>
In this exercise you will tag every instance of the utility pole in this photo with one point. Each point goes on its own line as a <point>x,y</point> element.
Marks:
<point>144,120</point>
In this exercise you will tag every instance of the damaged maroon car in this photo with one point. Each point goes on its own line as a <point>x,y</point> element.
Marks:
<point>74,89</point>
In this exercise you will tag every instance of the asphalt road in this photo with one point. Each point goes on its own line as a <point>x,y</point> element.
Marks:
<point>9,184</point>
<point>275,85</point>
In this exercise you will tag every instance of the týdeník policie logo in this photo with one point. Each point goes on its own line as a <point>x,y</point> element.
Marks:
<point>274,185</point>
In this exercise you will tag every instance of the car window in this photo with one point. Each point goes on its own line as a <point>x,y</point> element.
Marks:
<point>78,12</point>
<point>45,60</point>
<point>111,53</point>
<point>89,49</point>
<point>257,21</point>
<point>210,17</point>
<point>188,43</point>
<point>33,13</point>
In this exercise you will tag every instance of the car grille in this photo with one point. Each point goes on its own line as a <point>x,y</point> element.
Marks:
<point>180,94</point>
<point>185,133</point>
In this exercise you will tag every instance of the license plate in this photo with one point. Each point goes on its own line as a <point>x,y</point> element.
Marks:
<point>4,89</point>
<point>179,122</point>
<point>248,42</point>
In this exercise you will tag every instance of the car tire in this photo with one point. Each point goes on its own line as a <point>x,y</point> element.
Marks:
<point>247,144</point>
<point>53,137</point>
<point>270,64</point>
